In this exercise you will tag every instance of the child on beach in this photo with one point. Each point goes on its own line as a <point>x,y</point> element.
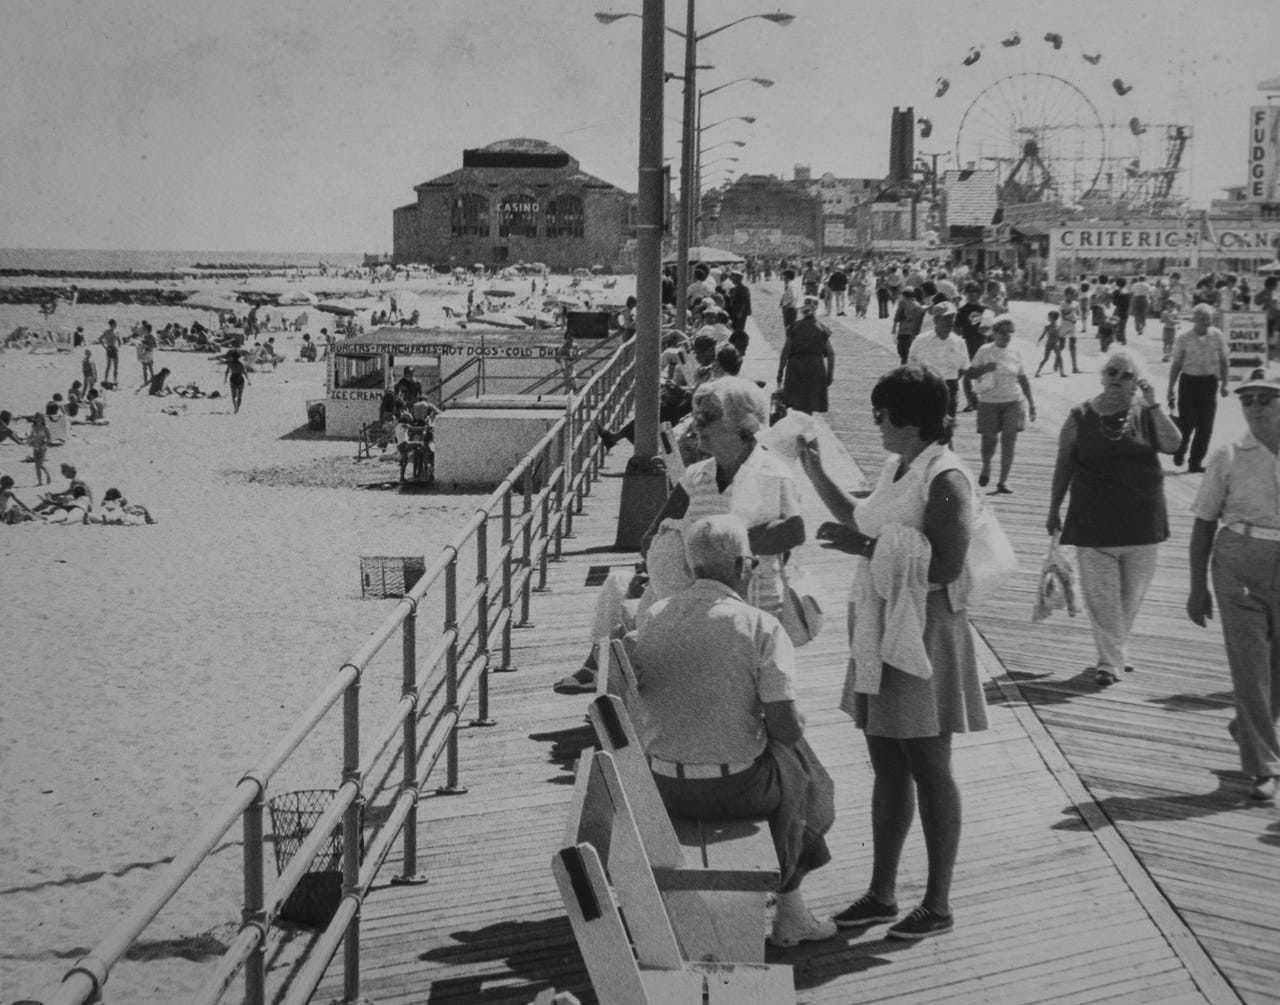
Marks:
<point>1053,339</point>
<point>38,441</point>
<point>1168,328</point>
<point>6,431</point>
<point>12,509</point>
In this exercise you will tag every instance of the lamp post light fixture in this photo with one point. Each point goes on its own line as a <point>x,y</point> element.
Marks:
<point>688,164</point>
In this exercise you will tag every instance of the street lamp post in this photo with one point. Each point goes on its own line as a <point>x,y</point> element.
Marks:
<point>697,169</point>
<point>689,153</point>
<point>643,485</point>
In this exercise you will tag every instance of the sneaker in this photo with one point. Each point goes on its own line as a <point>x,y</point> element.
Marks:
<point>920,924</point>
<point>808,929</point>
<point>866,910</point>
<point>1178,458</point>
<point>1263,789</point>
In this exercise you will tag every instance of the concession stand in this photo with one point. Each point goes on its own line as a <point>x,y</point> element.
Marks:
<point>451,364</point>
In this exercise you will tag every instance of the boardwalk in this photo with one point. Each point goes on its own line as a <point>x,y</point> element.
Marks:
<point>1107,855</point>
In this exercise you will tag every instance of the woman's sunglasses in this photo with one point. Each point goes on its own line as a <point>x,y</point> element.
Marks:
<point>1113,371</point>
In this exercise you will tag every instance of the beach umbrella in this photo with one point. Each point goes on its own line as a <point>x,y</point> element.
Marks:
<point>214,300</point>
<point>342,310</point>
<point>297,296</point>
<point>501,319</point>
<point>503,290</point>
<point>1270,267</point>
<point>708,256</point>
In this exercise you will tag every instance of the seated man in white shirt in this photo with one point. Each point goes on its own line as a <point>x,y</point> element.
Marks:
<point>718,716</point>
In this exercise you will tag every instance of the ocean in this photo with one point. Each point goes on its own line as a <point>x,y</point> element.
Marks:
<point>92,260</point>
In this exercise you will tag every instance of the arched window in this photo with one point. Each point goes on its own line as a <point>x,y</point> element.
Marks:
<point>518,216</point>
<point>470,217</point>
<point>565,217</point>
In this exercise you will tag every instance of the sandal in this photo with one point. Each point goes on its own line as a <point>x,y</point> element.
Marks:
<point>1105,677</point>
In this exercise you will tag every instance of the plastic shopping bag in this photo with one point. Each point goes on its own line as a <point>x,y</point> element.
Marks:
<point>1057,590</point>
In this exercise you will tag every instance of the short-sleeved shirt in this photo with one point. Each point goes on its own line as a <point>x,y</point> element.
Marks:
<point>1001,384</point>
<point>706,663</point>
<point>949,356</point>
<point>1200,355</point>
<point>1241,485</point>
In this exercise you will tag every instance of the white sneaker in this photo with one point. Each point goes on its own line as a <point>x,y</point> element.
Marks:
<point>808,929</point>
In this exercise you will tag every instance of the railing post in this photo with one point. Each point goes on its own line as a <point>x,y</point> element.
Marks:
<point>254,913</point>
<point>451,786</point>
<point>526,546</point>
<point>482,624</point>
<point>409,875</point>
<point>351,839</point>
<point>569,458</point>
<point>507,565</point>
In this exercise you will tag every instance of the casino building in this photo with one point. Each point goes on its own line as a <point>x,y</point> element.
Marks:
<point>517,200</point>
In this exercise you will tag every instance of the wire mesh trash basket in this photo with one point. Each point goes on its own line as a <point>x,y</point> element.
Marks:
<point>383,576</point>
<point>318,893</point>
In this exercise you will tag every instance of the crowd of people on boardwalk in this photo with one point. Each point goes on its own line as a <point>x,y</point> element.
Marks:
<point>718,716</point>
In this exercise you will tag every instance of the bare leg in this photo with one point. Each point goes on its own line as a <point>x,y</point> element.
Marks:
<point>893,808</point>
<point>1008,442</point>
<point>930,759</point>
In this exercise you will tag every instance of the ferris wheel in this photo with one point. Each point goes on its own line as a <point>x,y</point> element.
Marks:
<point>1042,133</point>
<point>1053,123</point>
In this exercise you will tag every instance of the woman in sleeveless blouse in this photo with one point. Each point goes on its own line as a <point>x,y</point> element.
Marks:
<point>924,501</point>
<point>1109,459</point>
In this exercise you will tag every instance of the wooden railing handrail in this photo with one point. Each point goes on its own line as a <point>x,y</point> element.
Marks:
<point>435,690</point>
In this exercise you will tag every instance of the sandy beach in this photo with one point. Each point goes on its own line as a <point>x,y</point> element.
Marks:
<point>147,667</point>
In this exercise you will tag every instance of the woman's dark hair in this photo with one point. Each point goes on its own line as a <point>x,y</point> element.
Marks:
<point>729,360</point>
<point>915,396</point>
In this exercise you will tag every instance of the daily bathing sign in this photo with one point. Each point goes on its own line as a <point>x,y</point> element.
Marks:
<point>1246,333</point>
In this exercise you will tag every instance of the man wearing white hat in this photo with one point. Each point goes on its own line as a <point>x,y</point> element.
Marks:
<point>1241,491</point>
<point>942,350</point>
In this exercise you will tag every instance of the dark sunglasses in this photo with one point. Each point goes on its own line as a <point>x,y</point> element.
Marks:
<point>1256,399</point>
<point>1112,371</point>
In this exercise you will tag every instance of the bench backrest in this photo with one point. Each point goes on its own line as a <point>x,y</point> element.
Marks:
<point>620,675</point>
<point>671,456</point>
<point>616,734</point>
<point>600,815</point>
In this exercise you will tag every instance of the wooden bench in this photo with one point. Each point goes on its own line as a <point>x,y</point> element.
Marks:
<point>716,876</point>
<point>605,875</point>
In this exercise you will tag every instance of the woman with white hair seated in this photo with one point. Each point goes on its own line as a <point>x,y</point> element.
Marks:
<point>740,476</point>
<point>1109,460</point>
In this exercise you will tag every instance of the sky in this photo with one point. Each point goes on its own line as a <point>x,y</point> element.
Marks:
<point>301,124</point>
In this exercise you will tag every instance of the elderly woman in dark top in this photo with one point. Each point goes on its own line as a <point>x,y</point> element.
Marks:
<point>806,366</point>
<point>1109,460</point>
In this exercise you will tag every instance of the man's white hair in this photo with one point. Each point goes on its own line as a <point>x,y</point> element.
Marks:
<point>714,543</point>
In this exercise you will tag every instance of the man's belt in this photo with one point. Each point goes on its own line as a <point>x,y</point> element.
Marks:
<point>1250,530</point>
<point>674,769</point>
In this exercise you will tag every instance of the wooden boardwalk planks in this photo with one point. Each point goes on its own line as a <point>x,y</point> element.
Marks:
<point>1106,856</point>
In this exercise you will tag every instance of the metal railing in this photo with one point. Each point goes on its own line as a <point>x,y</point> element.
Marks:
<point>549,483</point>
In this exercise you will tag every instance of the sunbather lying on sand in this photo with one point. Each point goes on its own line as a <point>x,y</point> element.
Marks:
<point>116,509</point>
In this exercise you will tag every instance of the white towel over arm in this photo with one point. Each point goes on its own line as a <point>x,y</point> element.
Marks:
<point>889,600</point>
